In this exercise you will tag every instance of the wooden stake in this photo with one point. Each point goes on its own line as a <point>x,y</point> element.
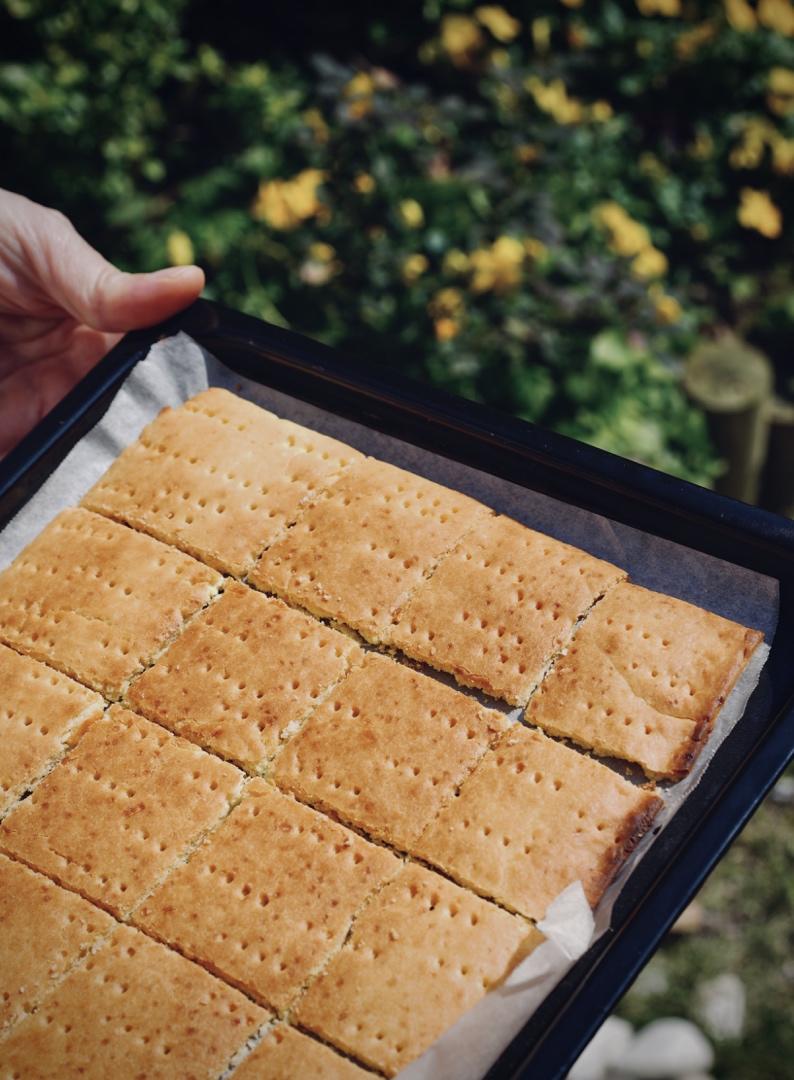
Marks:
<point>732,383</point>
<point>778,487</point>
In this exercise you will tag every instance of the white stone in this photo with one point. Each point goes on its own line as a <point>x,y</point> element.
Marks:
<point>691,919</point>
<point>605,1050</point>
<point>667,1048</point>
<point>651,981</point>
<point>783,791</point>
<point>720,1005</point>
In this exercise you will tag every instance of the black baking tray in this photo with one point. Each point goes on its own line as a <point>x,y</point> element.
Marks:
<point>746,764</point>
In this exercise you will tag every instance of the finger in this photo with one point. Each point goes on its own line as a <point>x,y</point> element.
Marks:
<point>84,284</point>
<point>30,392</point>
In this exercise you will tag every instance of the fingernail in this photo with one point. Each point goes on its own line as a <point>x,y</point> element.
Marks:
<point>176,273</point>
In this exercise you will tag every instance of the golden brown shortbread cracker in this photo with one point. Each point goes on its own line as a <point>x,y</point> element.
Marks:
<point>644,679</point>
<point>243,675</point>
<point>97,600</point>
<point>420,954</point>
<point>533,817</point>
<point>41,712</point>
<point>270,895</point>
<point>134,1009</point>
<point>358,551</point>
<point>387,749</point>
<point>44,931</point>
<point>287,1054</point>
<point>218,477</point>
<point>120,809</point>
<point>500,606</point>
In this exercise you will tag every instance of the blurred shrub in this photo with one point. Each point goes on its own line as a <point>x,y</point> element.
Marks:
<point>541,208</point>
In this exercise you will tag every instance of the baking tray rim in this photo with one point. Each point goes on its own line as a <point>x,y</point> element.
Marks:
<point>744,768</point>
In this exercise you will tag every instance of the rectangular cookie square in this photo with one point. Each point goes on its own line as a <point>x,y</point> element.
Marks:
<point>243,675</point>
<point>269,896</point>
<point>357,552</point>
<point>41,711</point>
<point>134,1009</point>
<point>421,954</point>
<point>644,679</point>
<point>287,1054</point>
<point>44,931</point>
<point>97,600</point>
<point>533,817</point>
<point>120,809</point>
<point>219,478</point>
<point>500,606</point>
<point>387,750</point>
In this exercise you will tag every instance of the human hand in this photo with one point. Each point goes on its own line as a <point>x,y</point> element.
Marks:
<point>62,307</point>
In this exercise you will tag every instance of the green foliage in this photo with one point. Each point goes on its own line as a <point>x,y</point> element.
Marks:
<point>747,906</point>
<point>455,219</point>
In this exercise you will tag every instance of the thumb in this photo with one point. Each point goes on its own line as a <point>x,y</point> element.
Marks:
<point>119,302</point>
<point>84,284</point>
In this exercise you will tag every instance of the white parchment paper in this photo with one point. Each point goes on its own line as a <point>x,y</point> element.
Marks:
<point>177,368</point>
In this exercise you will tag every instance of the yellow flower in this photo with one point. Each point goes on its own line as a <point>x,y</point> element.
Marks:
<point>541,34</point>
<point>755,135</point>
<point>455,262</point>
<point>781,80</point>
<point>361,85</point>
<point>180,248</point>
<point>573,3</point>
<point>691,41</point>
<point>321,264</point>
<point>669,8</point>
<point>702,147</point>
<point>740,15</point>
<point>284,204</point>
<point>666,307</point>
<point>535,249</point>
<point>446,329</point>
<point>411,213</point>
<point>313,119</point>
<point>497,268</point>
<point>413,267</point>
<point>527,153</point>
<point>627,236</point>
<point>461,38</point>
<point>364,184</point>
<point>503,26</point>
<point>601,111</point>
<point>777,15</point>
<point>781,91</point>
<point>649,263</point>
<point>254,75</point>
<point>500,59</point>
<point>651,166</point>
<point>757,211</point>
<point>552,98</point>
<point>446,302</point>
<point>359,93</point>
<point>783,155</point>
<point>321,252</point>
